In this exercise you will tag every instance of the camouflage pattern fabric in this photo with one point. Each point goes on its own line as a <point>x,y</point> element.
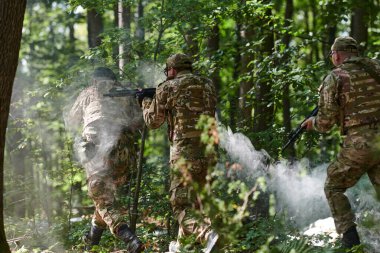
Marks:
<point>106,188</point>
<point>357,155</point>
<point>92,107</point>
<point>107,128</point>
<point>180,102</point>
<point>345,43</point>
<point>179,61</point>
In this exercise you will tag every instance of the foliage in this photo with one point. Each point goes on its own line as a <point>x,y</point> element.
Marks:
<point>45,186</point>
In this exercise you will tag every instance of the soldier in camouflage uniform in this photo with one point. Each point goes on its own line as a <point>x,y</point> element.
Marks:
<point>350,97</point>
<point>180,101</point>
<point>106,150</point>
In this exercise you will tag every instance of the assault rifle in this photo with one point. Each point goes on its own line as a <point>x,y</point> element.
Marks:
<point>140,94</point>
<point>295,134</point>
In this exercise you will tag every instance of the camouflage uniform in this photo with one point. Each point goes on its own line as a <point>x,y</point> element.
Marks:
<point>180,102</point>
<point>350,98</point>
<point>107,148</point>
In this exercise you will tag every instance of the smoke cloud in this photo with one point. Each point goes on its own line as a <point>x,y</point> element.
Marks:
<point>299,187</point>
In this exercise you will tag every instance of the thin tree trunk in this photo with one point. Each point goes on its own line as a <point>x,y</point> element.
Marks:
<point>140,31</point>
<point>314,12</point>
<point>234,102</point>
<point>94,27</point>
<point>123,21</point>
<point>18,164</point>
<point>263,107</point>
<point>286,91</point>
<point>245,103</point>
<point>307,31</point>
<point>143,137</point>
<point>11,20</point>
<point>138,180</point>
<point>213,47</point>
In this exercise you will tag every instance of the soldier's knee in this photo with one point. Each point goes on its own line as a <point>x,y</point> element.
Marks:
<point>96,187</point>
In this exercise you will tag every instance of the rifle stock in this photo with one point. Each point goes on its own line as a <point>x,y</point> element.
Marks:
<point>295,134</point>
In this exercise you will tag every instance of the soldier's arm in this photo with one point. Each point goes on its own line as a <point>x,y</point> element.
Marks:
<point>154,110</point>
<point>328,114</point>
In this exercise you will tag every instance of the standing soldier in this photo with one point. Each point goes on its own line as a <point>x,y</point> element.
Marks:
<point>350,97</point>
<point>180,101</point>
<point>106,150</point>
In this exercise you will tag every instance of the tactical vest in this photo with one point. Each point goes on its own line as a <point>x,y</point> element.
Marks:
<point>193,96</point>
<point>359,94</point>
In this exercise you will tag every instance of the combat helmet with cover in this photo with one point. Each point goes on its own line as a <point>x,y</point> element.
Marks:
<point>345,43</point>
<point>103,73</point>
<point>179,61</point>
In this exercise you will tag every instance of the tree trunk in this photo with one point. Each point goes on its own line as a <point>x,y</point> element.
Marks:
<point>212,50</point>
<point>140,31</point>
<point>359,25</point>
<point>234,102</point>
<point>314,12</point>
<point>11,20</point>
<point>263,117</point>
<point>307,31</point>
<point>18,163</point>
<point>94,27</point>
<point>264,108</point>
<point>245,103</point>
<point>286,91</point>
<point>123,22</point>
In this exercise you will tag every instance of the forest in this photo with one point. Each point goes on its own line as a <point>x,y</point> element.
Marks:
<point>266,58</point>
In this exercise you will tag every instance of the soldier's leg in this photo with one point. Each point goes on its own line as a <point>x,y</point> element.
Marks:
<point>122,160</point>
<point>102,191</point>
<point>93,236</point>
<point>188,224</point>
<point>341,175</point>
<point>353,161</point>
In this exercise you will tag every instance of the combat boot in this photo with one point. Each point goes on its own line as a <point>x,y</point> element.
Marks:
<point>134,245</point>
<point>350,238</point>
<point>93,236</point>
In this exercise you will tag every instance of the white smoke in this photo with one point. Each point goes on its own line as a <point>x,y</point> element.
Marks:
<point>299,188</point>
<point>241,150</point>
<point>151,73</point>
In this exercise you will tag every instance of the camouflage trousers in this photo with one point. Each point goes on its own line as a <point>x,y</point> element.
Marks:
<point>356,158</point>
<point>183,197</point>
<point>107,186</point>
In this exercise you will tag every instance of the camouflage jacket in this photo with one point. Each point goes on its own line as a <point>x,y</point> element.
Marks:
<point>348,96</point>
<point>180,102</point>
<point>91,111</point>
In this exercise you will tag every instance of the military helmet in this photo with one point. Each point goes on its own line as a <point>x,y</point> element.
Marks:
<point>345,43</point>
<point>179,61</point>
<point>103,73</point>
